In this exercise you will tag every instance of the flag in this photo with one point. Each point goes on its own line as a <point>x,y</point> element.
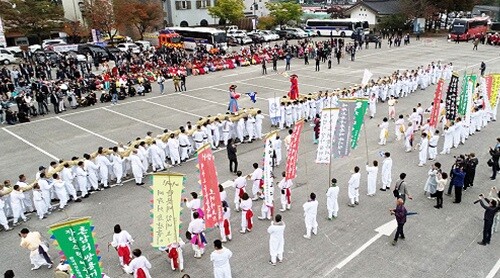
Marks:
<point>252,96</point>
<point>209,187</point>
<point>359,117</point>
<point>293,151</point>
<point>76,241</point>
<point>495,88</point>
<point>274,107</point>
<point>468,83</point>
<point>268,168</point>
<point>434,117</point>
<point>367,75</point>
<point>343,130</point>
<point>327,126</point>
<point>451,98</point>
<point>166,212</point>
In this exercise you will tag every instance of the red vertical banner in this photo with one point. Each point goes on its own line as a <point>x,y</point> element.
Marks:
<point>434,117</point>
<point>212,207</point>
<point>293,151</point>
<point>489,85</point>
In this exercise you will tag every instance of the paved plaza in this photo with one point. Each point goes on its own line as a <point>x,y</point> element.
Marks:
<point>439,243</point>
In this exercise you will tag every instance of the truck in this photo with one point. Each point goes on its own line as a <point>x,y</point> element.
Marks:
<point>165,38</point>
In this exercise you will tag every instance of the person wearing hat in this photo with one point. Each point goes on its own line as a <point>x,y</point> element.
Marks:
<point>294,87</point>
<point>233,99</point>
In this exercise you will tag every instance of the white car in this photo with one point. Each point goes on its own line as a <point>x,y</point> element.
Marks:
<point>269,35</point>
<point>125,47</point>
<point>7,59</point>
<point>34,47</point>
<point>46,43</point>
<point>77,56</point>
<point>236,33</point>
<point>145,45</point>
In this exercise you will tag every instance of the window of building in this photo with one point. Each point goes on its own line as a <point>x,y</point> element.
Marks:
<point>184,24</point>
<point>202,4</point>
<point>183,5</point>
<point>204,23</point>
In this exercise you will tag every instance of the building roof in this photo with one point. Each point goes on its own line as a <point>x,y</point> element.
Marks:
<point>380,7</point>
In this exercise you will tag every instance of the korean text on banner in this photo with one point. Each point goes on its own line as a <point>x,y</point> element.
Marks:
<point>343,130</point>
<point>167,191</point>
<point>489,84</point>
<point>77,243</point>
<point>451,98</point>
<point>495,91</point>
<point>274,107</point>
<point>209,187</point>
<point>293,151</point>
<point>434,118</point>
<point>468,82</point>
<point>268,168</point>
<point>359,117</point>
<point>327,126</point>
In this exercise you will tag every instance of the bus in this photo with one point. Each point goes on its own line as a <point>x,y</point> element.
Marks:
<point>209,37</point>
<point>337,27</point>
<point>464,29</point>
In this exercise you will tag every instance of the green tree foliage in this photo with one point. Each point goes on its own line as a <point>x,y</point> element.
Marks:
<point>228,10</point>
<point>393,22</point>
<point>266,22</point>
<point>284,11</point>
<point>37,17</point>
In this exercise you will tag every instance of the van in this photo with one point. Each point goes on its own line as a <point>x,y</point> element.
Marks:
<point>144,45</point>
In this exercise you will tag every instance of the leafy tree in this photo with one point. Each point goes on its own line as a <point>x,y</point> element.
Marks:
<point>228,10</point>
<point>75,31</point>
<point>100,15</point>
<point>143,15</point>
<point>266,22</point>
<point>418,8</point>
<point>284,11</point>
<point>37,17</point>
<point>393,22</point>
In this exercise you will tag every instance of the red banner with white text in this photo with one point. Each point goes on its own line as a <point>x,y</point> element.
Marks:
<point>212,207</point>
<point>434,117</point>
<point>293,151</point>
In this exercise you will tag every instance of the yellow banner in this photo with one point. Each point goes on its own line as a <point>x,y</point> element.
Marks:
<point>166,212</point>
<point>495,87</point>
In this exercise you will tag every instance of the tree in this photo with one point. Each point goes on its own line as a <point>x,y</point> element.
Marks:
<point>393,22</point>
<point>228,10</point>
<point>100,15</point>
<point>284,11</point>
<point>37,17</point>
<point>75,31</point>
<point>336,11</point>
<point>143,15</point>
<point>266,22</point>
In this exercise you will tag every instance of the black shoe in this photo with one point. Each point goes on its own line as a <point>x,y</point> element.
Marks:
<point>456,202</point>
<point>436,206</point>
<point>86,196</point>
<point>481,243</point>
<point>78,200</point>
<point>381,189</point>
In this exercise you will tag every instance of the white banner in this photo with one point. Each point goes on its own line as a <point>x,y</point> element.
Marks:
<point>274,107</point>
<point>2,34</point>
<point>484,94</point>
<point>329,118</point>
<point>268,169</point>
<point>367,75</point>
<point>470,93</point>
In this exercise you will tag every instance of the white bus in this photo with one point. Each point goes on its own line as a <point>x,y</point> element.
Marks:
<point>209,37</point>
<point>336,27</point>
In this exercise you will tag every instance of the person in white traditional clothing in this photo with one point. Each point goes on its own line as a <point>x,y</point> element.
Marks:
<point>433,142</point>
<point>117,162</point>
<point>246,213</point>
<point>457,131</point>
<point>353,187</point>
<point>27,204</point>
<point>431,183</point>
<point>60,190</point>
<point>174,253</point>
<point>423,147</point>
<point>386,172</point>
<point>258,124</point>
<point>137,167</point>
<point>225,226</point>
<point>409,137</point>
<point>286,193</point>
<point>288,115</point>
<point>277,143</point>
<point>194,205</point>
<point>227,125</point>
<point>38,250</point>
<point>332,195</point>
<point>372,172</point>
<point>154,153</point>
<point>40,206</point>
<point>16,203</point>
<point>220,260</point>
<point>173,148</point>
<point>46,188</point>
<point>81,179</point>
<point>103,163</point>
<point>139,266</point>
<point>91,168</point>
<point>384,131</point>
<point>250,127</point>
<point>184,144</point>
<point>67,176</point>
<point>122,241</point>
<point>372,105</point>
<point>310,212</point>
<point>399,127</point>
<point>143,155</point>
<point>196,230</point>
<point>257,180</point>
<point>239,189</point>
<point>3,218</point>
<point>276,239</point>
<point>448,139</point>
<point>288,139</point>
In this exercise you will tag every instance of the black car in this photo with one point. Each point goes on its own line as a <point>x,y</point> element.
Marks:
<point>287,34</point>
<point>95,51</point>
<point>256,37</point>
<point>113,52</point>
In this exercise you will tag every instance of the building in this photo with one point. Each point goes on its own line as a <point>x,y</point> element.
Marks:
<point>73,10</point>
<point>492,11</point>
<point>373,10</point>
<point>256,8</point>
<point>186,13</point>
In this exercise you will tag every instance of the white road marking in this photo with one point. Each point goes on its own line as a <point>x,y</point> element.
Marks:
<point>301,83</point>
<point>31,144</point>
<point>135,119</point>
<point>171,108</point>
<point>494,270</point>
<point>325,79</point>
<point>88,131</point>
<point>265,87</point>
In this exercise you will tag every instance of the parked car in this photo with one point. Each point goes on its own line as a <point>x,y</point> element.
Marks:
<point>144,45</point>
<point>236,33</point>
<point>298,33</point>
<point>256,37</point>
<point>77,56</point>
<point>245,40</point>
<point>310,33</point>
<point>285,34</point>
<point>34,47</point>
<point>7,58</point>
<point>113,52</point>
<point>127,46</point>
<point>270,35</point>
<point>49,42</point>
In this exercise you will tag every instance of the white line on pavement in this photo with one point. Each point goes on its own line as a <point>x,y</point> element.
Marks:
<point>494,270</point>
<point>300,84</point>
<point>330,80</point>
<point>31,144</point>
<point>171,108</point>
<point>265,87</point>
<point>88,131</point>
<point>132,118</point>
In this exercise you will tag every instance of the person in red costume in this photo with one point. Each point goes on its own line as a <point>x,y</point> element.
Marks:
<point>294,87</point>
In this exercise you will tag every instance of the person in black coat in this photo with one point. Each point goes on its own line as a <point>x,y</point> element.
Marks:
<point>470,170</point>
<point>493,163</point>
<point>231,155</point>
<point>489,214</point>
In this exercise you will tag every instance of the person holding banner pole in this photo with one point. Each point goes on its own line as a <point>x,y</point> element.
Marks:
<point>257,182</point>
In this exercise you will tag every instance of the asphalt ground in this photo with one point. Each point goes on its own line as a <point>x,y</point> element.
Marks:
<point>439,243</point>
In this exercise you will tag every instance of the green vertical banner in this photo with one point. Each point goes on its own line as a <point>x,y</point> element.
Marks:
<point>359,116</point>
<point>464,95</point>
<point>76,241</point>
